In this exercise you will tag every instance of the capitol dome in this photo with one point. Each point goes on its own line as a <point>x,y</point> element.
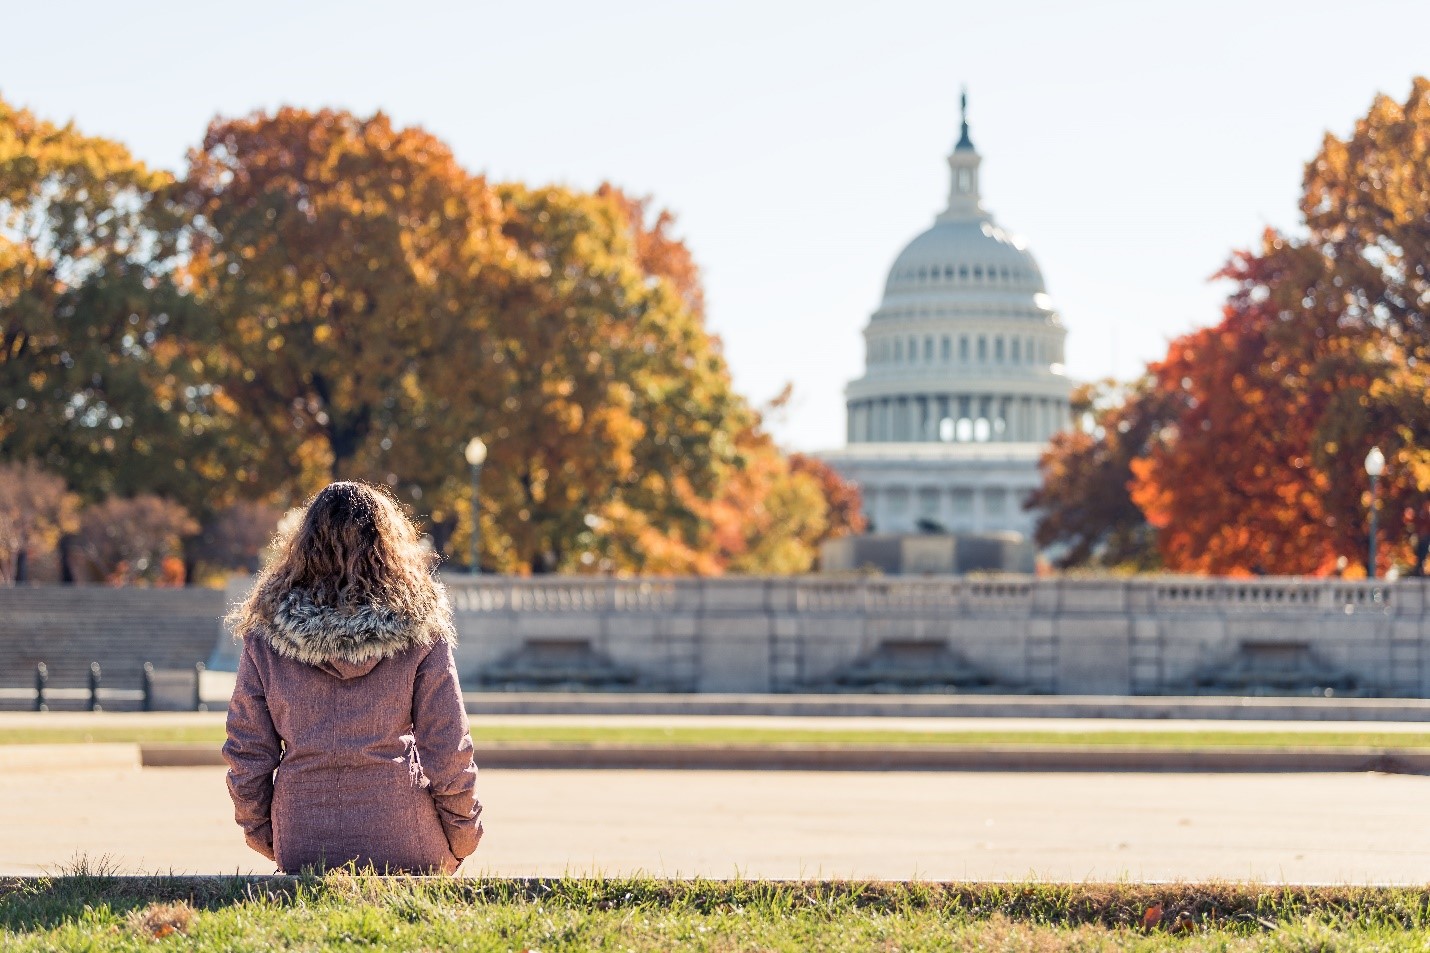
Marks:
<point>952,255</point>
<point>966,345</point>
<point>963,380</point>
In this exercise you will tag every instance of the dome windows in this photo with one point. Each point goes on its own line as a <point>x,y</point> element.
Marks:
<point>936,273</point>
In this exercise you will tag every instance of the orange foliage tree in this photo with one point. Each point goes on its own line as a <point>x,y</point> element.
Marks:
<point>1085,512</point>
<point>335,254</point>
<point>1260,424</point>
<point>1323,353</point>
<point>1231,481</point>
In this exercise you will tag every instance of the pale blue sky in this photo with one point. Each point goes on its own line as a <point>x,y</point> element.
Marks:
<point>1133,144</point>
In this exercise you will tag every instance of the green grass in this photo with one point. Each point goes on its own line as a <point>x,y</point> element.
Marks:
<point>90,910</point>
<point>495,735</point>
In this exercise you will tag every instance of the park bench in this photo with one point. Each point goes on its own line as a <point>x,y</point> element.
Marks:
<point>160,690</point>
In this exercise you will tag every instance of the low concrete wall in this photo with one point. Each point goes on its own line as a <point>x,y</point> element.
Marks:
<point>1064,636</point>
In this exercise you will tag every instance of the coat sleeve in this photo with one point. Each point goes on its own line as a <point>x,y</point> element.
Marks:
<point>439,721</point>
<point>253,750</point>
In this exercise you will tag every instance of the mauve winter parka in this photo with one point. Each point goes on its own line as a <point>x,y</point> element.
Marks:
<point>347,741</point>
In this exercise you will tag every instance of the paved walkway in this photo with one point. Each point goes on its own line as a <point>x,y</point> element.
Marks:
<point>15,720</point>
<point>1356,828</point>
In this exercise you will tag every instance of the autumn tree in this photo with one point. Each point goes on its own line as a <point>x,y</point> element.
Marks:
<point>1085,513</point>
<point>36,509</point>
<point>336,254</point>
<point>98,335</point>
<point>235,537</point>
<point>1320,355</point>
<point>328,296</point>
<point>843,502</point>
<point>606,406</point>
<point>1366,204</point>
<point>135,540</point>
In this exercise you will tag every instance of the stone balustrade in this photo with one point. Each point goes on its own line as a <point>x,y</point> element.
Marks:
<point>1150,635</point>
<point>1154,635</point>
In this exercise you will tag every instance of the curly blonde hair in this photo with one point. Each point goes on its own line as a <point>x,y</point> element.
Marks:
<point>354,549</point>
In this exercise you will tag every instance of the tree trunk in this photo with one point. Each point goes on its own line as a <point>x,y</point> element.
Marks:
<point>66,571</point>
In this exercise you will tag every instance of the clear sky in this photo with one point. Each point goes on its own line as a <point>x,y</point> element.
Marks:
<point>801,144</point>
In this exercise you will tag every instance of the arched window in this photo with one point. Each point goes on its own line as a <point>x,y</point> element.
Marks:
<point>963,348</point>
<point>982,349</point>
<point>963,272</point>
<point>928,349</point>
<point>965,180</point>
<point>946,349</point>
<point>1017,351</point>
<point>977,272</point>
<point>998,349</point>
<point>898,350</point>
<point>946,429</point>
<point>963,431</point>
<point>982,430</point>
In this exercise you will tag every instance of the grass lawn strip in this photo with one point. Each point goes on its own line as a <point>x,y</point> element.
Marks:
<point>342,910</point>
<point>499,735</point>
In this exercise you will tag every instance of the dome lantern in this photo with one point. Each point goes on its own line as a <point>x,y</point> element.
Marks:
<point>964,202</point>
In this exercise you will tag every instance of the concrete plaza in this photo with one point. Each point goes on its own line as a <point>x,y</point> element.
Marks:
<point>1358,828</point>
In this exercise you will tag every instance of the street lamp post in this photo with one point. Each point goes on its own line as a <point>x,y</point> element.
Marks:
<point>476,454</point>
<point>1374,466</point>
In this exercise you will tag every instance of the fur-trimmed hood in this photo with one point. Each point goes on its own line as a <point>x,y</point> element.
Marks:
<point>349,641</point>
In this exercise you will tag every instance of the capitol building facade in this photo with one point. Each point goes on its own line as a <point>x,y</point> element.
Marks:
<point>964,381</point>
